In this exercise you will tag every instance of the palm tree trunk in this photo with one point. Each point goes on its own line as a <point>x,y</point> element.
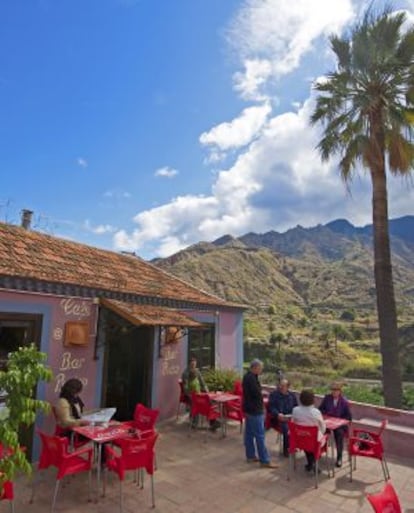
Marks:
<point>386,309</point>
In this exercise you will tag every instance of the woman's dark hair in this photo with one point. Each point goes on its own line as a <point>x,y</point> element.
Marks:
<point>69,391</point>
<point>307,397</point>
<point>71,388</point>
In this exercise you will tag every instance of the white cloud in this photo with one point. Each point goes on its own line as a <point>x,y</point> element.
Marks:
<point>166,172</point>
<point>249,81</point>
<point>82,162</point>
<point>270,38</point>
<point>117,194</point>
<point>238,132</point>
<point>277,179</point>
<point>100,229</point>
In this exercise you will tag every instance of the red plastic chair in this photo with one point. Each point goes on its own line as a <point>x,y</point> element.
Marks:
<point>233,410</point>
<point>145,418</point>
<point>238,388</point>
<point>368,444</point>
<point>136,454</point>
<point>305,438</point>
<point>201,407</point>
<point>386,501</point>
<point>75,441</point>
<point>7,493</point>
<point>55,453</point>
<point>183,398</point>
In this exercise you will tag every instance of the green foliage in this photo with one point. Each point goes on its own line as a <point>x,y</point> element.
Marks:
<point>271,310</point>
<point>25,368</point>
<point>347,315</point>
<point>221,379</point>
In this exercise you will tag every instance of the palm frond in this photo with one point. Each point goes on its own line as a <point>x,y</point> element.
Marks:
<point>341,48</point>
<point>400,154</point>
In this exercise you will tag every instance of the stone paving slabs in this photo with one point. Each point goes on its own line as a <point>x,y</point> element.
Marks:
<point>198,476</point>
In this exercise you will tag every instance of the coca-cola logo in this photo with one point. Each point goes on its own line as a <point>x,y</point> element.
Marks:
<point>75,307</point>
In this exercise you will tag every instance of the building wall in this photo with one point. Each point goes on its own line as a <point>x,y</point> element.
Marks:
<point>171,362</point>
<point>65,362</point>
<point>80,362</point>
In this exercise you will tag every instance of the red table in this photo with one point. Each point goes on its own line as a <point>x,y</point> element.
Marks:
<point>333,423</point>
<point>103,434</point>
<point>221,398</point>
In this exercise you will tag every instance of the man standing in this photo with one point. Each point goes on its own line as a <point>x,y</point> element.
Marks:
<point>281,403</point>
<point>254,433</point>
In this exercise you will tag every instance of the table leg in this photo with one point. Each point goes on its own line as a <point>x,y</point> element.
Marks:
<point>223,423</point>
<point>98,470</point>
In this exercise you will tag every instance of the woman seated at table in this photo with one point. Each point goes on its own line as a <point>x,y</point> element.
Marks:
<point>306,414</point>
<point>69,407</point>
<point>336,405</point>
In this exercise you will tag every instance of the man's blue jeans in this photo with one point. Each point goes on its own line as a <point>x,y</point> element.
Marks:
<point>254,438</point>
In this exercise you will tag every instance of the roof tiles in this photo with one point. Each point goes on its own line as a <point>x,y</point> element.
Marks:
<point>30,254</point>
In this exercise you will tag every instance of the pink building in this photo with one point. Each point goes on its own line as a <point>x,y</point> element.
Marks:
<point>120,324</point>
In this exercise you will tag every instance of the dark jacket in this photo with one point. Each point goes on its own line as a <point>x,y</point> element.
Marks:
<point>252,394</point>
<point>341,410</point>
<point>281,403</point>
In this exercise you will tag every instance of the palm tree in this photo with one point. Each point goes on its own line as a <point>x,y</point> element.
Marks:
<point>366,108</point>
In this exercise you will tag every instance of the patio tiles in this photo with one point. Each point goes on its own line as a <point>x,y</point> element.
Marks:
<point>198,476</point>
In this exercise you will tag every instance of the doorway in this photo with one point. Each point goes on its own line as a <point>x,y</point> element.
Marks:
<point>127,366</point>
<point>17,330</point>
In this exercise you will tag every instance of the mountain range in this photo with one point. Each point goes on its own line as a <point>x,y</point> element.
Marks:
<point>323,267</point>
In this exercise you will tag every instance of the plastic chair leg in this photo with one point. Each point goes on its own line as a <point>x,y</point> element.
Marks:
<point>11,507</point>
<point>316,473</point>
<point>152,491</point>
<point>385,469</point>
<point>55,494</point>
<point>121,504</point>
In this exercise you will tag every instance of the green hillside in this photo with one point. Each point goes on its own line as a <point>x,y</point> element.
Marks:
<point>310,293</point>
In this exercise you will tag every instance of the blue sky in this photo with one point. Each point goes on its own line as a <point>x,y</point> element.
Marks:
<point>149,125</point>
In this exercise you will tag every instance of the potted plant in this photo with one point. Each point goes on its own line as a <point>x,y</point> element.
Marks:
<point>25,368</point>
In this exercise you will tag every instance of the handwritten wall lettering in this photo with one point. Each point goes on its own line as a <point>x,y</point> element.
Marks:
<point>68,362</point>
<point>58,333</point>
<point>169,364</point>
<point>75,307</point>
<point>169,369</point>
<point>60,379</point>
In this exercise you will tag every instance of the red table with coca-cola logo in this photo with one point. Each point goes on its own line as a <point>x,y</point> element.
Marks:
<point>100,435</point>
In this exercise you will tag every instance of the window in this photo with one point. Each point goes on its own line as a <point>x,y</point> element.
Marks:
<point>201,346</point>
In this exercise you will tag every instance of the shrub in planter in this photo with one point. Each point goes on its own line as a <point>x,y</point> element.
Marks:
<point>25,368</point>
<point>221,379</point>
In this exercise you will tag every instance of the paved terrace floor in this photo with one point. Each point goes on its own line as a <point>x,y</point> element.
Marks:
<point>195,476</point>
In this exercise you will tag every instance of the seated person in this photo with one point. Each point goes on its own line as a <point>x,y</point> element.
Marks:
<point>69,407</point>
<point>193,383</point>
<point>281,403</point>
<point>336,405</point>
<point>185,378</point>
<point>306,414</point>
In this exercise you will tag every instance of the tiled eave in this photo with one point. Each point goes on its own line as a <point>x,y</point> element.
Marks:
<point>16,283</point>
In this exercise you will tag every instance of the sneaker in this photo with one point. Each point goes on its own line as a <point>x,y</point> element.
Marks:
<point>269,465</point>
<point>338,463</point>
<point>252,460</point>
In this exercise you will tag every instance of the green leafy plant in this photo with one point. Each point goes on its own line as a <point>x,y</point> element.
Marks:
<point>25,368</point>
<point>221,379</point>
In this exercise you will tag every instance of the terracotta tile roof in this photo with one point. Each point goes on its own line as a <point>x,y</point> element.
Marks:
<point>30,254</point>
<point>149,315</point>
